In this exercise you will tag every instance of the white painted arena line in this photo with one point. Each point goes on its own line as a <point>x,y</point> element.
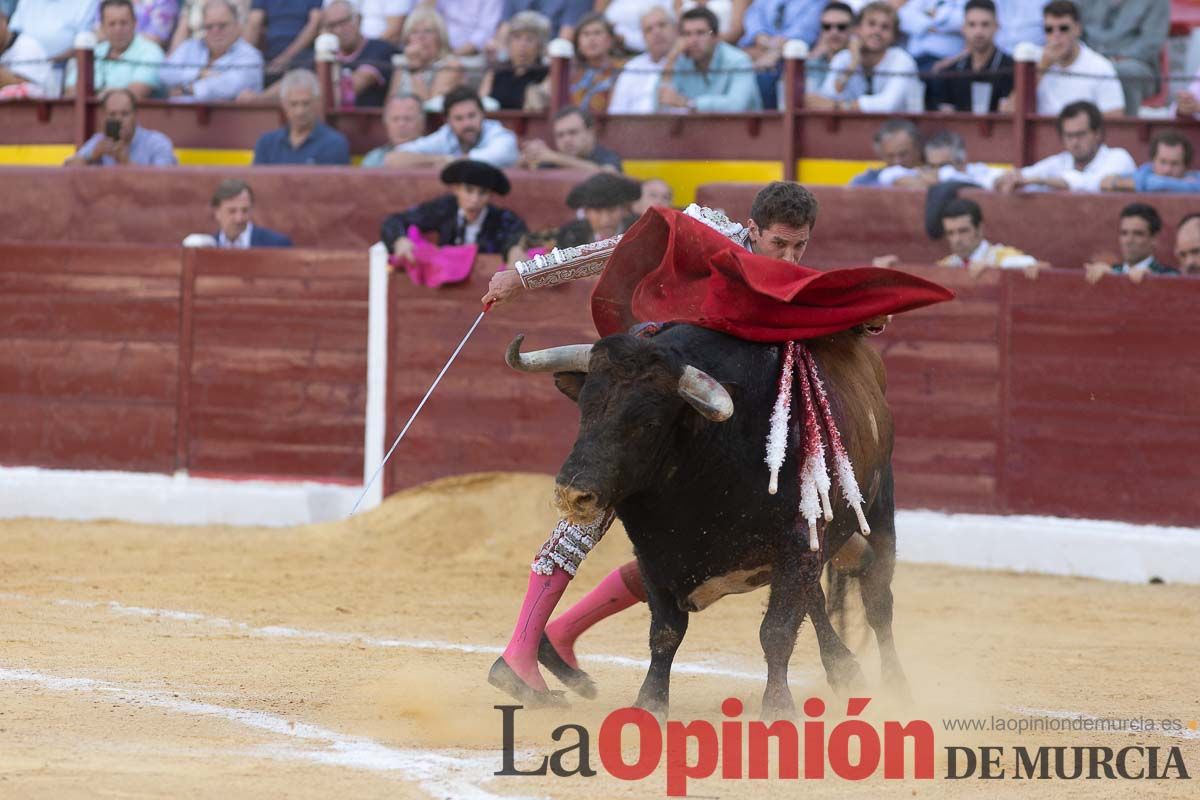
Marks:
<point>441,773</point>
<point>433,645</point>
<point>331,637</point>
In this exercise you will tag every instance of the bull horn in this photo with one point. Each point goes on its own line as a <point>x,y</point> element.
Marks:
<point>568,358</point>
<point>705,395</point>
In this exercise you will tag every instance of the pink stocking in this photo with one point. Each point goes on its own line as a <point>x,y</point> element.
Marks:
<point>617,592</point>
<point>540,599</point>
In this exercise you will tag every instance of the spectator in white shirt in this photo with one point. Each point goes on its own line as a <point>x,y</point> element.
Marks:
<point>24,68</point>
<point>871,74</point>
<point>1070,70</point>
<point>636,89</point>
<point>383,19</point>
<point>1085,162</point>
<point>945,160</point>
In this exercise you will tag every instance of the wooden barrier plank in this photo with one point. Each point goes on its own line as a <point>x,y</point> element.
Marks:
<point>88,370</point>
<point>233,457</point>
<point>80,435</point>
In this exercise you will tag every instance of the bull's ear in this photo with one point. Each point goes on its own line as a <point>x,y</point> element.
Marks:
<point>570,383</point>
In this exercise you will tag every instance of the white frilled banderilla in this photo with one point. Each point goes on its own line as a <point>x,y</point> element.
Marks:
<point>818,431</point>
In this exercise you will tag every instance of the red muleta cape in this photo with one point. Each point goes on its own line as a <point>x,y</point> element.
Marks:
<point>670,267</point>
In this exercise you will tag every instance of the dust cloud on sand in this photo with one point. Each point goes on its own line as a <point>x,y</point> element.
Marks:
<point>349,659</point>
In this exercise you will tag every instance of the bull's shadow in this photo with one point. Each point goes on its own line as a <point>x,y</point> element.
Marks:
<point>672,435</point>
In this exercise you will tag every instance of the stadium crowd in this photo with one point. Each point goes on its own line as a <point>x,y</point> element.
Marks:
<point>463,59</point>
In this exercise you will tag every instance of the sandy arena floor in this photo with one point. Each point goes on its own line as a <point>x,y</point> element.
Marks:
<point>349,660</point>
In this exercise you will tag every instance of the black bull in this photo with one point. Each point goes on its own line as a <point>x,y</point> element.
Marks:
<point>692,492</point>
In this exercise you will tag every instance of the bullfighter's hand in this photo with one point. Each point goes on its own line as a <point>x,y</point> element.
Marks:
<point>504,285</point>
<point>403,250</point>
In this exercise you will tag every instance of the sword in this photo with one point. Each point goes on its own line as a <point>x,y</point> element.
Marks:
<point>420,405</point>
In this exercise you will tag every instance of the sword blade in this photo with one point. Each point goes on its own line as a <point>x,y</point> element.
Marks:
<point>420,405</point>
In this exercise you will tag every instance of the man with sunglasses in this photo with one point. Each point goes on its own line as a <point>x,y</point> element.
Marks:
<point>1071,71</point>
<point>219,66</point>
<point>837,22</point>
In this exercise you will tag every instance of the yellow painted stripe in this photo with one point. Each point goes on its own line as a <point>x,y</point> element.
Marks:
<point>684,175</point>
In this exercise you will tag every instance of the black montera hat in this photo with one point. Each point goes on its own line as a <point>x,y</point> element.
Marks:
<point>476,173</point>
<point>604,190</point>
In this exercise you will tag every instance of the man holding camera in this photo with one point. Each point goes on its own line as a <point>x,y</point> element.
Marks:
<point>123,141</point>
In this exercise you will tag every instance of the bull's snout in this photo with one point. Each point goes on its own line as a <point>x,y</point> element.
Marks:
<point>578,505</point>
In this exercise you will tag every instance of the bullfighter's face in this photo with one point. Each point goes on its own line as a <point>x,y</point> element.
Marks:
<point>781,241</point>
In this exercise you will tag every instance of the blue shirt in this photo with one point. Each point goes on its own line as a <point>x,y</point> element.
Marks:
<point>54,23</point>
<point>1019,21</point>
<point>240,67</point>
<point>284,21</point>
<point>791,19</point>
<point>728,86</point>
<point>147,148</point>
<point>323,146</point>
<point>934,27</point>
<point>559,12</point>
<point>1145,180</point>
<point>497,145</point>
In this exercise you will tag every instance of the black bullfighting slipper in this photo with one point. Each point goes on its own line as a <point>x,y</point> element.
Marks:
<point>573,678</point>
<point>504,678</point>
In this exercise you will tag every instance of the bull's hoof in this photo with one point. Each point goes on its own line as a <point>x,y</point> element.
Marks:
<point>778,706</point>
<point>506,680</point>
<point>657,706</point>
<point>573,678</point>
<point>846,677</point>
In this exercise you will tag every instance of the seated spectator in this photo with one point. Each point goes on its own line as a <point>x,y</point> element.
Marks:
<point>897,143</point>
<point>1070,70</point>
<point>767,26</point>
<point>933,29</point>
<point>526,43</point>
<point>234,66</point>
<point>366,64</point>
<point>1019,21</point>
<point>575,145</point>
<point>466,134</point>
<point>709,75</point>
<point>284,30</point>
<point>465,216</point>
<point>595,69</point>
<point>562,15</point>
<point>871,74</point>
<point>125,59</point>
<point>1138,236</point>
<point>1187,244</point>
<point>155,19</point>
<point>981,78</point>
<point>1166,171</point>
<point>304,139</point>
<point>837,23</point>
<point>24,67</point>
<point>730,15</point>
<point>624,19</point>
<point>636,89</point>
<point>655,192</point>
<point>1131,36</point>
<point>962,225</point>
<point>945,160</point>
<point>470,23</point>
<point>123,141</point>
<point>233,209</point>
<point>384,19</point>
<point>1085,162</point>
<point>55,24</point>
<point>429,70</point>
<point>404,121</point>
<point>190,24</point>
<point>606,199</point>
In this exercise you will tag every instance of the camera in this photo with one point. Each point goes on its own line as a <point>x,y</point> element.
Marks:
<point>112,129</point>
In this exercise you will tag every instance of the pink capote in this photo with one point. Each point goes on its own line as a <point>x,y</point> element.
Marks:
<point>435,266</point>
